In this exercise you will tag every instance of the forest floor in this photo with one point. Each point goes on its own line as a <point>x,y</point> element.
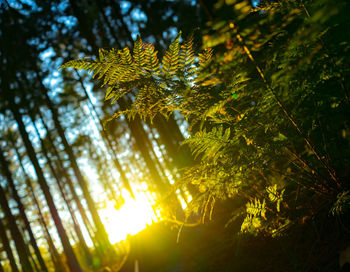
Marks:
<point>214,247</point>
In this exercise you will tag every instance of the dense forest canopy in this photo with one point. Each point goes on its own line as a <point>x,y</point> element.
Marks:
<point>221,126</point>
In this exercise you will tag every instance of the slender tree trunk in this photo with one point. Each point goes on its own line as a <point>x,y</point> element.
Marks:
<point>29,252</point>
<point>68,250</point>
<point>8,175</point>
<point>6,246</point>
<point>109,26</point>
<point>21,247</point>
<point>63,194</point>
<point>117,10</point>
<point>171,136</point>
<point>107,140</point>
<point>141,142</point>
<point>101,232</point>
<point>55,257</point>
<point>77,201</point>
<point>85,26</point>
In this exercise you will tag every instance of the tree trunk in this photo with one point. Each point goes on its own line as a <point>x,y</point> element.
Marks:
<point>21,247</point>
<point>84,26</point>
<point>55,257</point>
<point>141,142</point>
<point>63,194</point>
<point>107,140</point>
<point>77,201</point>
<point>6,246</point>
<point>68,250</point>
<point>8,175</point>
<point>100,230</point>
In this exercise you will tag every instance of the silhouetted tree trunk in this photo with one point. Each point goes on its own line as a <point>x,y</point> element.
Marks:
<point>100,230</point>
<point>76,226</point>
<point>85,25</point>
<point>71,258</point>
<point>6,246</point>
<point>55,257</point>
<point>16,235</point>
<point>119,16</point>
<point>171,136</point>
<point>8,175</point>
<point>77,201</point>
<point>137,132</point>
<point>106,138</point>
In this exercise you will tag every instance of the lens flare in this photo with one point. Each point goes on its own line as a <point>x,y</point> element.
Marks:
<point>130,218</point>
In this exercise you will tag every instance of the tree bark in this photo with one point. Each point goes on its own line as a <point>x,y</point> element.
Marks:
<point>6,245</point>
<point>141,142</point>
<point>55,257</point>
<point>68,250</point>
<point>77,201</point>
<point>8,175</point>
<point>21,247</point>
<point>100,230</point>
<point>107,140</point>
<point>76,226</point>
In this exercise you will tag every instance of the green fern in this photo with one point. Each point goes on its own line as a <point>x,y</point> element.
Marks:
<point>125,56</point>
<point>151,59</point>
<point>170,62</point>
<point>256,208</point>
<point>187,58</point>
<point>210,145</point>
<point>119,70</point>
<point>139,54</point>
<point>275,196</point>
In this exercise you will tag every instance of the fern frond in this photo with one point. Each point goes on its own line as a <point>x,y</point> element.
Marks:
<point>210,144</point>
<point>82,64</point>
<point>187,57</point>
<point>170,62</point>
<point>102,53</point>
<point>151,59</point>
<point>125,56</point>
<point>204,59</point>
<point>257,208</point>
<point>138,53</point>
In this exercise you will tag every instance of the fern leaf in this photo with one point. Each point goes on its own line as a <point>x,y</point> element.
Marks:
<point>204,59</point>
<point>125,56</point>
<point>210,144</point>
<point>170,62</point>
<point>138,53</point>
<point>82,64</point>
<point>187,57</point>
<point>151,58</point>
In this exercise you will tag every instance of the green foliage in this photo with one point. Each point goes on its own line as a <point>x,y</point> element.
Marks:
<point>264,216</point>
<point>156,85</point>
<point>342,204</point>
<point>268,112</point>
<point>211,144</point>
<point>170,62</point>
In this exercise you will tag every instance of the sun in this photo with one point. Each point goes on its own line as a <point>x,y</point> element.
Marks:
<point>130,218</point>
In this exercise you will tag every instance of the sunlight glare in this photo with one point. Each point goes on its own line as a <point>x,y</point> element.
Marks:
<point>131,218</point>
